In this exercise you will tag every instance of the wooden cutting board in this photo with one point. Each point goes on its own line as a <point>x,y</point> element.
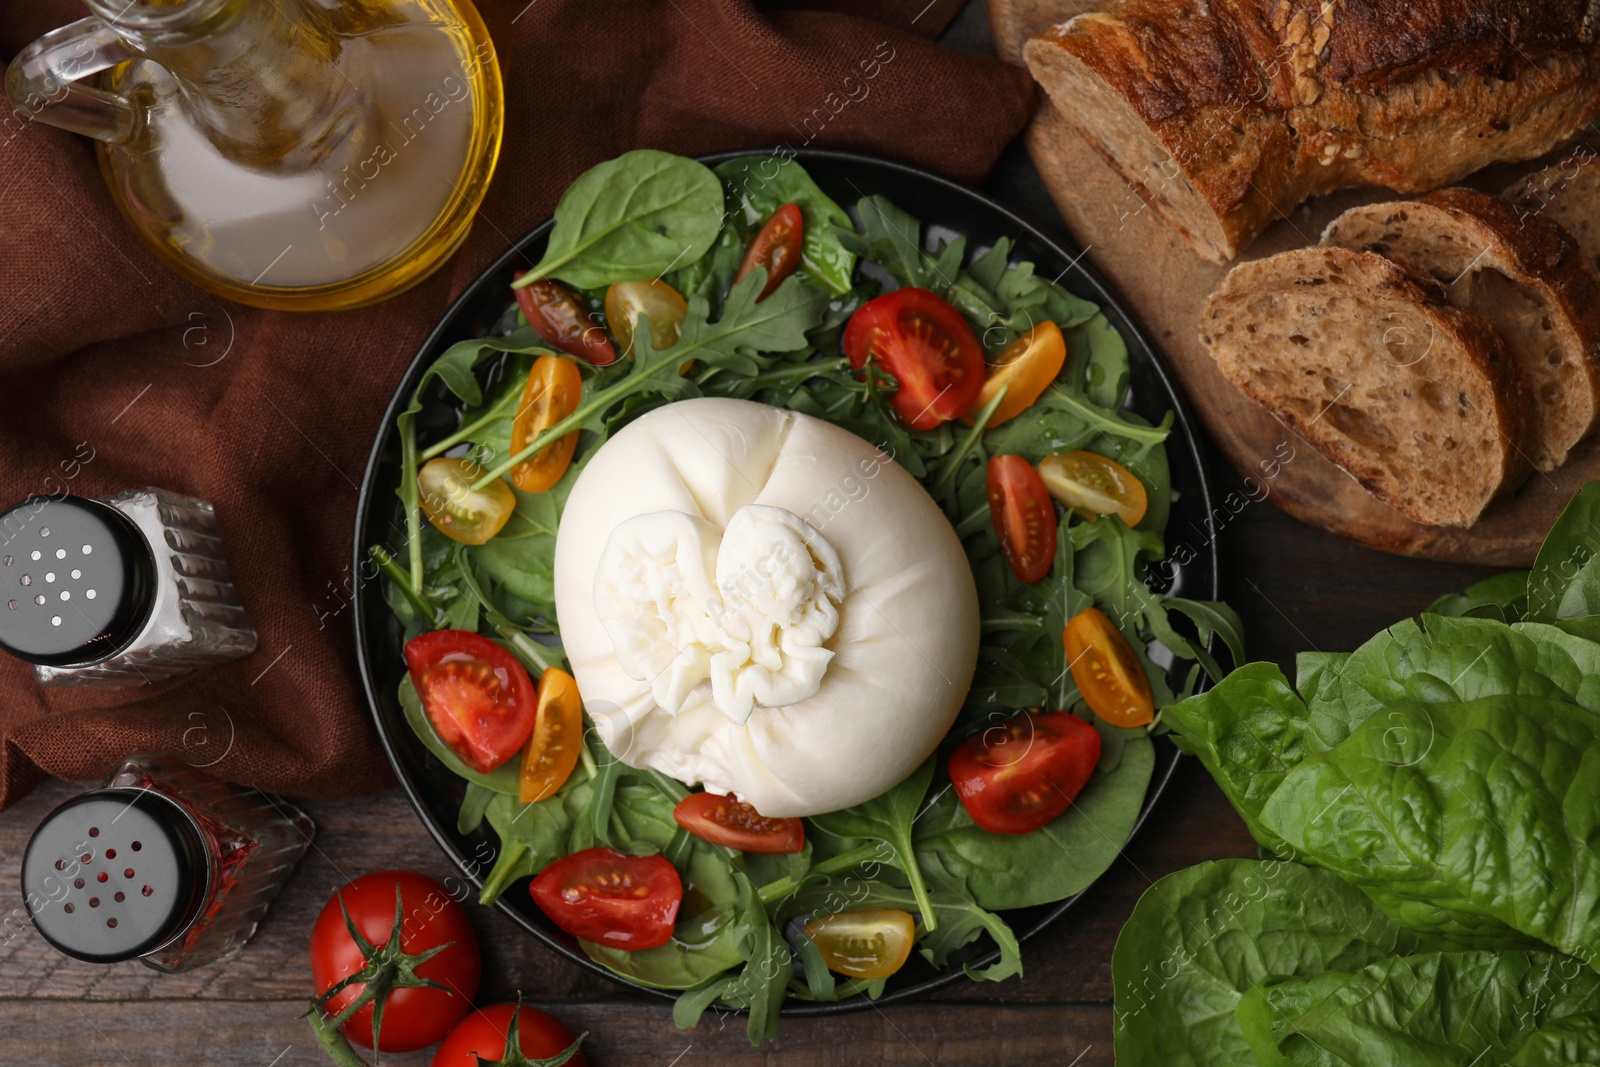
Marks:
<point>1163,284</point>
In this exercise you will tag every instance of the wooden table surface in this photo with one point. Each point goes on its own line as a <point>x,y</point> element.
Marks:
<point>1296,588</point>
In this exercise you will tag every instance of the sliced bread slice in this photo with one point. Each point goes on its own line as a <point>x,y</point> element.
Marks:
<point>1524,272</point>
<point>1567,193</point>
<point>1370,364</point>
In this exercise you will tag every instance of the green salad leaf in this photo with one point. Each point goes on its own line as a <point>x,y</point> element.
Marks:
<point>759,185</point>
<point>1565,580</point>
<point>635,216</point>
<point>891,818</point>
<point>1201,939</point>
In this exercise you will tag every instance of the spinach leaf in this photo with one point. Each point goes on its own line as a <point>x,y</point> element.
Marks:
<point>473,806</point>
<point>1201,938</point>
<point>1003,871</point>
<point>1249,731</point>
<point>1474,820</point>
<point>1565,580</point>
<point>531,837</point>
<point>702,947</point>
<point>1433,1009</point>
<point>1503,597</point>
<point>1570,1042</point>
<point>891,818</point>
<point>635,216</point>
<point>761,184</point>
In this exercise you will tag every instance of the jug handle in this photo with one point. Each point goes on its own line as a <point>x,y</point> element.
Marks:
<point>44,81</point>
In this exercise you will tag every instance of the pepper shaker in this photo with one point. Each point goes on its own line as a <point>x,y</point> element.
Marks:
<point>163,864</point>
<point>117,591</point>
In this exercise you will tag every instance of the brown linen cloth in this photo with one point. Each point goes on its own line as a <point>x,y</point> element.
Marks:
<point>115,373</point>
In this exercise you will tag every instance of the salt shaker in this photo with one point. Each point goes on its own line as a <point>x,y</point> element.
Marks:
<point>164,864</point>
<point>117,591</point>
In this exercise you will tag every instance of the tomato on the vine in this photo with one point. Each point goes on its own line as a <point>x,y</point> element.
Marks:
<point>552,393</point>
<point>1024,517</point>
<point>730,822</point>
<point>870,943</point>
<point>1107,670</point>
<point>611,898</point>
<point>558,315</point>
<point>919,338</point>
<point>479,699</point>
<point>1019,776</point>
<point>484,1036</point>
<point>776,247</point>
<point>414,1016</point>
<point>460,512</point>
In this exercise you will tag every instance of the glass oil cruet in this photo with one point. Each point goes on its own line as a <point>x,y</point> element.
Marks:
<point>292,154</point>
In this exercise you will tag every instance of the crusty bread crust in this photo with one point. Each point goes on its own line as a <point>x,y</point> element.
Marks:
<point>1234,111</point>
<point>1567,193</point>
<point>1367,362</point>
<point>1525,273</point>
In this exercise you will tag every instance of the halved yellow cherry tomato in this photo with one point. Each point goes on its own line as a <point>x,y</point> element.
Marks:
<point>1107,670</point>
<point>552,752</point>
<point>551,394</point>
<point>871,943</point>
<point>460,512</point>
<point>1025,370</point>
<point>626,301</point>
<point>1092,485</point>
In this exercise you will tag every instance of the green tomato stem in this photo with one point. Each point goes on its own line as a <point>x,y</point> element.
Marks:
<point>333,1041</point>
<point>467,431</point>
<point>387,564</point>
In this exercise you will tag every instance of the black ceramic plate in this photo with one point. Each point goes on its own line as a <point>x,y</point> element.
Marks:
<point>947,209</point>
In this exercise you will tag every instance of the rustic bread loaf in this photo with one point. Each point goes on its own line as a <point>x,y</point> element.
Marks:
<point>1414,398</point>
<point>1525,274</point>
<point>1567,193</point>
<point>1225,114</point>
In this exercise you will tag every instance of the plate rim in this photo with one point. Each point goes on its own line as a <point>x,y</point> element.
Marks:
<point>370,491</point>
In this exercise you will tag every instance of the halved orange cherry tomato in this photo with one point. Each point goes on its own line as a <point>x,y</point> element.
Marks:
<point>1024,370</point>
<point>1024,517</point>
<point>728,821</point>
<point>1019,776</point>
<point>870,943</point>
<point>609,897</point>
<point>551,755</point>
<point>554,386</point>
<point>477,696</point>
<point>1092,485</point>
<point>460,512</point>
<point>626,301</point>
<point>919,338</point>
<point>559,315</point>
<point>776,247</point>
<point>1107,670</point>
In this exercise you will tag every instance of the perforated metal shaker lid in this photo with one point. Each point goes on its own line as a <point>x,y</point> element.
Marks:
<point>114,874</point>
<point>77,581</point>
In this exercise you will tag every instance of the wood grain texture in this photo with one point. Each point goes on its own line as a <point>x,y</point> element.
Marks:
<point>1164,285</point>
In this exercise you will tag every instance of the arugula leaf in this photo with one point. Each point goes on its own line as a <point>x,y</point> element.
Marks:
<point>1433,1009</point>
<point>891,239</point>
<point>759,185</point>
<point>635,216</point>
<point>1474,820</point>
<point>1004,871</point>
<point>891,818</point>
<point>747,331</point>
<point>1201,938</point>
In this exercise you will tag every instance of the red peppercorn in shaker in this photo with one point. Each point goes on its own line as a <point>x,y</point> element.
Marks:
<point>164,864</point>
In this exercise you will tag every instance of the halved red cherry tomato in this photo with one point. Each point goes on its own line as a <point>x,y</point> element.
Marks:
<point>1017,777</point>
<point>1092,486</point>
<point>776,247</point>
<point>414,1016</point>
<point>558,315</point>
<point>1024,517</point>
<point>870,943</point>
<point>626,301</point>
<point>605,896</point>
<point>483,1037</point>
<point>1107,670</point>
<point>477,696</point>
<point>460,512</point>
<point>557,736</point>
<point>928,347</point>
<point>1024,370</point>
<point>730,822</point>
<point>554,386</point>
